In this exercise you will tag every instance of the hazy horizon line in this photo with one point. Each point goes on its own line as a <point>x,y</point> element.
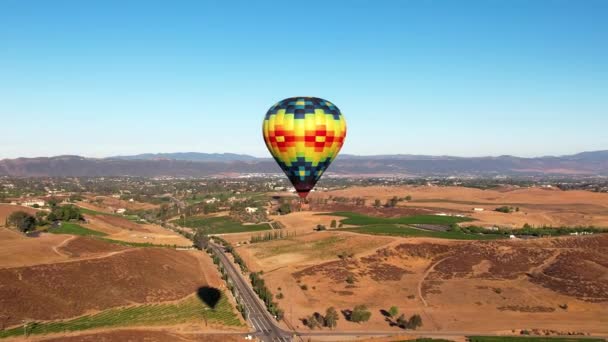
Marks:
<point>270,157</point>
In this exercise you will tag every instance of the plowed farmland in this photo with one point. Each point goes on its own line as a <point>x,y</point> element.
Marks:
<point>68,289</point>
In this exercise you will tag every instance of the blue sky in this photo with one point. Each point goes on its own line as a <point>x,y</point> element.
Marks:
<point>469,78</point>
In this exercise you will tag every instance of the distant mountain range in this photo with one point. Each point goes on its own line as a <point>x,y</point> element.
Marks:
<point>190,156</point>
<point>194,164</point>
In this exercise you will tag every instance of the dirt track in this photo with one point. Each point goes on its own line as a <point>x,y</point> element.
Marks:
<point>18,250</point>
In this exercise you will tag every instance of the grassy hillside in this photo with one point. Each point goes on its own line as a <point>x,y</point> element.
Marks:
<point>75,229</point>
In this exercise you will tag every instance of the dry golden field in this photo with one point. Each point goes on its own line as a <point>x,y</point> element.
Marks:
<point>538,206</point>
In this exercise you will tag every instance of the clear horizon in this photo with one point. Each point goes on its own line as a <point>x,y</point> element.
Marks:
<point>473,78</point>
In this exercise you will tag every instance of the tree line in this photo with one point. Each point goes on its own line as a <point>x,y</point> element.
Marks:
<point>273,235</point>
<point>25,222</point>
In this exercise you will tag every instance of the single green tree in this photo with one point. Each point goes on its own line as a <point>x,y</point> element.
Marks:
<point>284,209</point>
<point>23,221</point>
<point>52,202</point>
<point>402,321</point>
<point>360,314</point>
<point>311,322</point>
<point>331,317</point>
<point>393,311</point>
<point>415,322</point>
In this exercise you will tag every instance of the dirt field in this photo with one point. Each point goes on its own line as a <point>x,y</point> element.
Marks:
<point>456,286</point>
<point>110,203</point>
<point>85,247</point>
<point>18,250</point>
<point>7,209</point>
<point>538,206</point>
<point>119,228</point>
<point>121,277</point>
<point>310,248</point>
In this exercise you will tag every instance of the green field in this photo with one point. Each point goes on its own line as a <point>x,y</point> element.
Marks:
<point>219,225</point>
<point>531,339</point>
<point>133,218</point>
<point>74,229</point>
<point>361,220</point>
<point>188,310</point>
<point>402,230</point>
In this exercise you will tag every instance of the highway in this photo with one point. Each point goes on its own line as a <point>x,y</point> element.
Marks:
<point>261,320</point>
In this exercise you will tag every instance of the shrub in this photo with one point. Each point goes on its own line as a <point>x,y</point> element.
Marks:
<point>311,322</point>
<point>504,209</point>
<point>345,255</point>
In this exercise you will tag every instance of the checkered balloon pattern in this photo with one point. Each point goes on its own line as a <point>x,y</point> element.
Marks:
<point>304,135</point>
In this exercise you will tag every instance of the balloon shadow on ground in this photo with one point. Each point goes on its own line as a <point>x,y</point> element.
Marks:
<point>209,295</point>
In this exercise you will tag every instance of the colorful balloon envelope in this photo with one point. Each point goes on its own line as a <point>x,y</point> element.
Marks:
<point>304,135</point>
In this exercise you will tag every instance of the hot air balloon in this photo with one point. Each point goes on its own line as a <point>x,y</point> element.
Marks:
<point>304,135</point>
